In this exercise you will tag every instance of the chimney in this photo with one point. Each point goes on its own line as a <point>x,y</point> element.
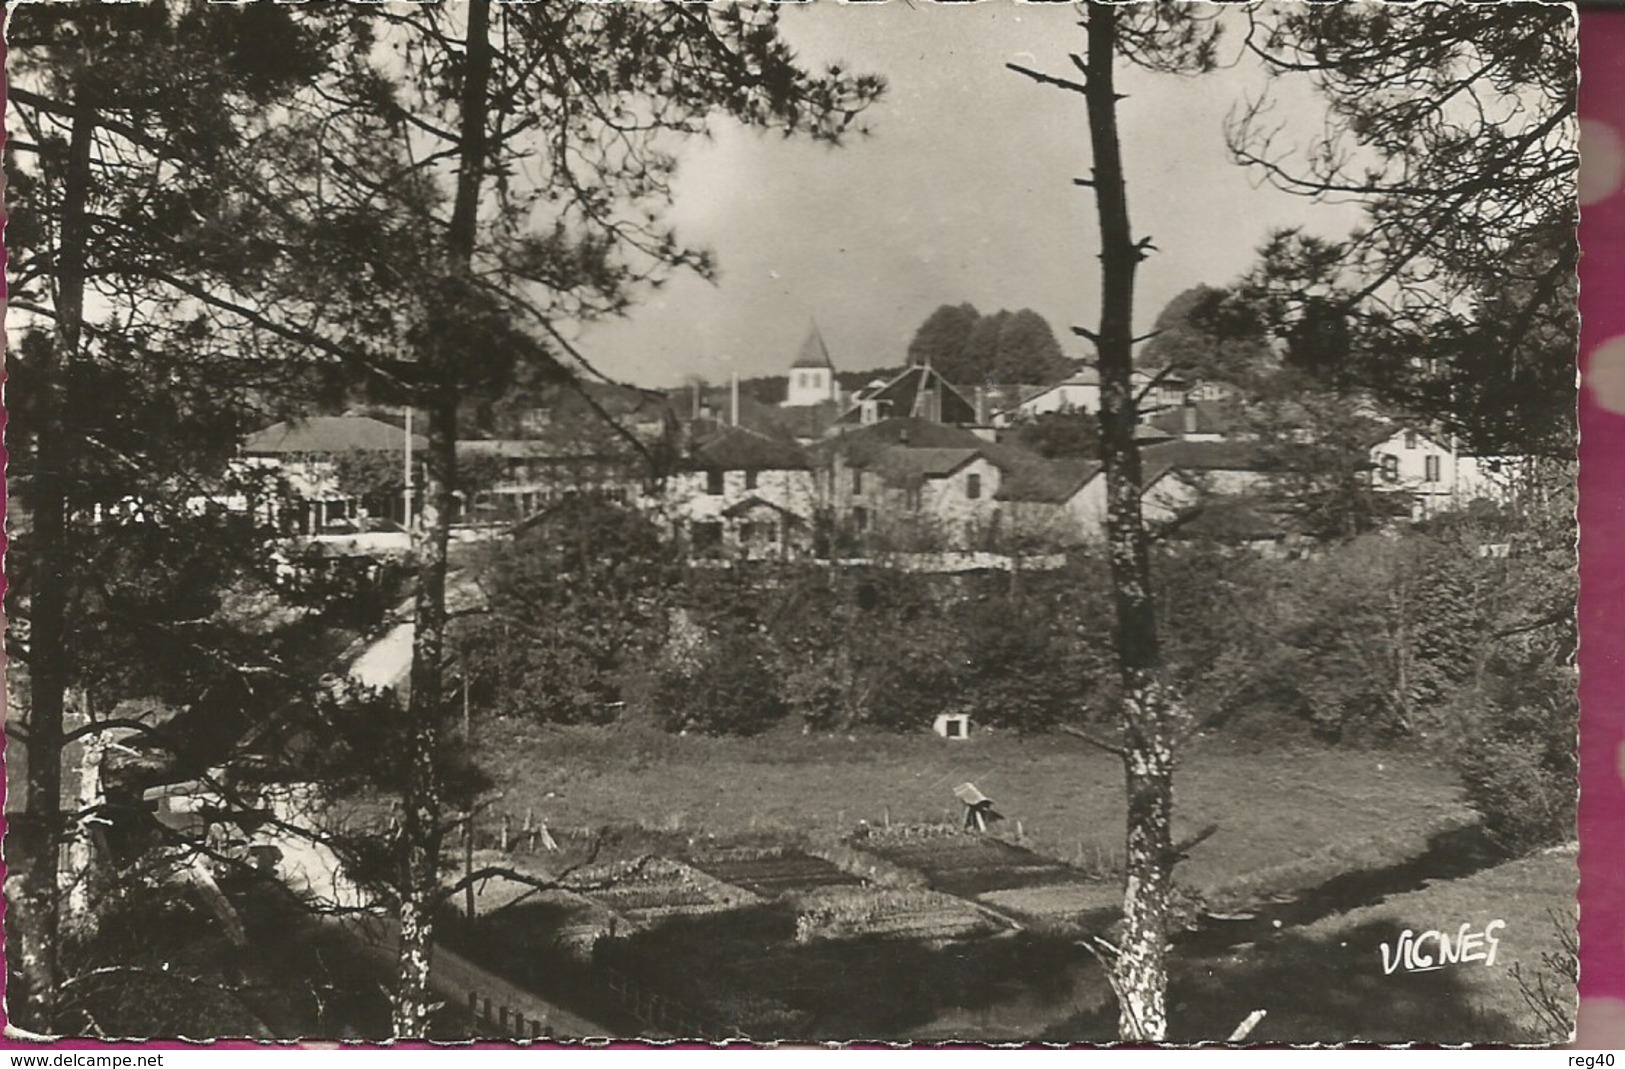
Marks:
<point>933,403</point>
<point>733,400</point>
<point>981,404</point>
<point>1190,417</point>
<point>902,435</point>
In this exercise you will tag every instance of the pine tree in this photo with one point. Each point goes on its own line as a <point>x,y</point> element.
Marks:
<point>504,177</point>
<point>128,119</point>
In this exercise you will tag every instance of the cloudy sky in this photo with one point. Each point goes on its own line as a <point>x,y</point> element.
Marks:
<point>961,193</point>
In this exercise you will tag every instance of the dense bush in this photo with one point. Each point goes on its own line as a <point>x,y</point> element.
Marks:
<point>1515,750</point>
<point>1364,641</point>
<point>731,688</point>
<point>573,601</point>
<point>1371,640</point>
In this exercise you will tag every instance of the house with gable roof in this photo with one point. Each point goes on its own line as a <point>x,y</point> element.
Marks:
<point>1407,460</point>
<point>310,453</point>
<point>1080,392</point>
<point>908,479</point>
<point>1063,503</point>
<point>740,494</point>
<point>917,392</point>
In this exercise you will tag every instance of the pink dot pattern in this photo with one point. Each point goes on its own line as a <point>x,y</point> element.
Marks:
<point>1602,524</point>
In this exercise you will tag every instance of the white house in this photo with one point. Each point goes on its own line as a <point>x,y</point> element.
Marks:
<point>1067,505</point>
<point>1435,474</point>
<point>945,493</point>
<point>912,482</point>
<point>1080,392</point>
<point>311,452</point>
<point>743,494</point>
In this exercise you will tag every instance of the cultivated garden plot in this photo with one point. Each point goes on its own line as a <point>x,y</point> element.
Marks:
<point>648,892</point>
<point>965,863</point>
<point>771,871</point>
<point>887,913</point>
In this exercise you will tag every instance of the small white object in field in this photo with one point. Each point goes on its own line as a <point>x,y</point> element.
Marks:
<point>1276,922</point>
<point>1379,766</point>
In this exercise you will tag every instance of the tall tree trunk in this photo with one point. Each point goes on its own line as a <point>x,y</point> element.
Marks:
<point>421,827</point>
<point>48,596</point>
<point>1141,966</point>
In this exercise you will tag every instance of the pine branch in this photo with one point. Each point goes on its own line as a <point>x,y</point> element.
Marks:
<point>1049,79</point>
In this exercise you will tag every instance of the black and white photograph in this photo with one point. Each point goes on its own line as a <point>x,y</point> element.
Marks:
<point>808,523</point>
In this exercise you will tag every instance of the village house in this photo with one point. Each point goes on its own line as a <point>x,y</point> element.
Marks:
<point>1242,522</point>
<point>1063,503</point>
<point>908,483</point>
<point>950,486</point>
<point>1435,474</point>
<point>917,392</point>
<point>1080,392</point>
<point>1201,421</point>
<point>509,479</point>
<point>741,495</point>
<point>347,471</point>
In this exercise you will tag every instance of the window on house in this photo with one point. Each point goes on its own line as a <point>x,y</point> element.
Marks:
<point>747,532</point>
<point>1390,468</point>
<point>857,481</point>
<point>860,518</point>
<point>973,486</point>
<point>911,497</point>
<point>714,482</point>
<point>707,535</point>
<point>1432,469</point>
<point>750,480</point>
<point>1410,439</point>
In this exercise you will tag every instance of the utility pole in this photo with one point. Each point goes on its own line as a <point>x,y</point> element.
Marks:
<point>406,475</point>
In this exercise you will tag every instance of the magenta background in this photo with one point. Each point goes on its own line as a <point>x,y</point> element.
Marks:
<point>1602,527</point>
<point>1602,571</point>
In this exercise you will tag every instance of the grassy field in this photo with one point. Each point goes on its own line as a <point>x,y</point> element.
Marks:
<point>1327,978</point>
<point>1305,835</point>
<point>1286,819</point>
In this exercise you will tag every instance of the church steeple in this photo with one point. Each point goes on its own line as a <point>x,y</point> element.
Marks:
<point>812,376</point>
